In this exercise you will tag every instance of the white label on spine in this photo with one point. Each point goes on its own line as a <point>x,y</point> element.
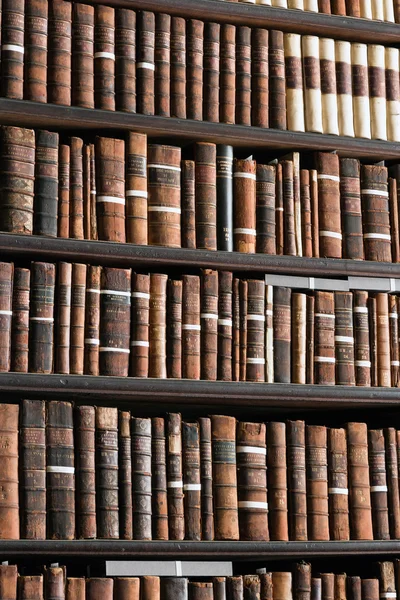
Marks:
<point>269,312</point>
<point>255,317</point>
<point>252,504</point>
<point>330,177</point>
<point>108,349</point>
<point>13,48</point>
<point>251,450</point>
<point>311,282</point>
<point>388,595</point>
<point>6,312</point>
<point>208,316</point>
<point>226,322</point>
<point>345,339</point>
<point>379,488</point>
<point>141,343</point>
<point>191,327</point>
<point>44,319</point>
<point>332,234</point>
<point>362,363</point>
<point>93,291</point>
<point>255,361</point>
<point>322,315</point>
<point>167,209</point>
<point>92,342</point>
<point>145,65</point>
<point>245,230</point>
<point>110,55</point>
<point>111,199</point>
<point>136,193</point>
<point>361,309</point>
<point>93,192</point>
<point>116,293</point>
<point>377,236</point>
<point>192,487</point>
<point>339,491</point>
<point>280,209</point>
<point>324,359</point>
<point>168,167</point>
<point>244,175</point>
<point>143,295</point>
<point>69,470</point>
<point>375,193</point>
<point>175,484</point>
<point>395,363</point>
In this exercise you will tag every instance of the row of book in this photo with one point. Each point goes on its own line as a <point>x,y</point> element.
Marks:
<point>96,472</point>
<point>303,581</point>
<point>131,191</point>
<point>93,57</point>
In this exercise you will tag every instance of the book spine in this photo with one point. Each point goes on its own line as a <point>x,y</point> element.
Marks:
<point>191,480</point>
<point>75,588</point>
<point>282,583</point>
<point>159,480</point>
<point>312,83</point>
<point>297,491</point>
<point>224,176</point>
<point>145,65</point>
<point>83,56</point>
<point>370,589</point>
<point>176,522</point>
<point>188,205</point>
<point>294,82</point>
<point>162,61</point>
<point>139,341</point>
<point>235,345</point>
<point>243,301</point>
<point>54,583</point>
<point>269,334</point>
<point>297,203</point>
<point>339,526</point>
<point>302,581</point>
<point>324,358</point>
<point>354,587</point>
<point>206,195</point>
<point>98,587</point>
<point>178,67</point>
<point>209,324</point>
<point>328,86</point>
<point>279,211</point>
<point>306,215</point>
<point>359,482</point>
<point>299,340</point>
<point>141,478</point>
<point>392,467</point>
<point>255,360</point>
<point>136,189</point>
<point>110,186</point>
<point>8,581</point>
<point>211,72</point>
<point>46,184</point>
<point>60,461</point>
<point>373,339</point>
<point>194,69</point>
<point>9,501</point>
<point>227,74</point>
<point>243,76</point>
<point>200,591</point>
<point>63,322</point>
<point>392,69</point>
<point>41,318</point>
<point>244,197</point>
<point>150,587</point>
<point>353,8</point>
<point>317,482</point>
<point>338,7</point>
<point>191,328</point>
<point>78,293</point>
<point>344,339</point>
<point>377,91</point>
<point>251,586</point>
<point>394,220</point>
<point>387,579</point>
<point>314,211</point>
<point>366,9</point>
<point>89,207</point>
<point>344,87</point>
<point>330,236</point>
<point>206,480</point>
<point>361,105</point>
<point>176,587</point>
<point>125,60</point>
<point>379,495</point>
<point>266,586</point>
<point>6,306</point>
<point>35,55</point>
<point>107,496</point>
<point>92,321</point>
<point>125,475</point>
<point>174,329</point>
<point>85,463</point>
<point>350,194</point>
<point>361,338</point>
<point>310,337</point>
<point>252,481</point>
<point>265,209</point>
<point>30,587</point>
<point>288,208</point>
<point>277,81</point>
<point>388,11</point>
<point>127,588</point>
<point>383,340</point>
<point>259,78</point>
<point>158,326</point>
<point>282,334</point>
<point>376,220</point>
<point>394,340</point>
<point>234,587</point>
<point>12,49</point>
<point>59,53</point>
<point>63,191</point>
<point>20,320</point>
<point>76,189</point>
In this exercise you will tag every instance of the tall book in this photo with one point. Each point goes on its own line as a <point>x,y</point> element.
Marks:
<point>125,475</point>
<point>379,495</point>
<point>344,339</point>
<point>86,472</point>
<point>136,193</point>
<point>277,81</point>
<point>328,86</point>
<point>227,74</point>
<point>158,325</point>
<point>54,582</point>
<point>139,340</point>
<point>125,60</point>
<point>191,480</point>
<point>383,340</point>
<point>324,358</point>
<point>145,63</point>
<point>224,173</point>
<point>312,83</point>
<point>35,56</point>
<point>359,482</point>
<point>9,502</point>
<point>255,360</point>
<point>110,187</point>
<point>63,320</point>
<point>75,588</point>
<point>206,480</point>
<point>282,334</point>
<point>289,246</point>
<point>188,205</point>
<point>394,340</point>
<point>159,480</point>
<point>392,68</point>
<point>362,358</point>
<point>191,327</point>
<point>178,67</point>
<point>339,527</point>
<point>244,198</point>
<point>45,204</point>
<point>294,82</point>
<point>377,91</point>
<point>176,523</point>
<point>174,328</point>
<point>99,587</point>
<point>92,321</point>
<point>83,56</point>
<point>344,87</point>
<point>194,69</point>
<point>361,107</point>
<point>41,318</point>
<point>211,72</point>
<point>6,301</point>
<point>20,320</point>
<point>8,581</point>
<point>373,339</point>
<point>259,77</point>
<point>206,196</point>
<point>376,219</point>
<point>12,49</point>
<point>243,76</point>
<point>76,189</point>
<point>209,324</point>
<point>392,473</point>
<point>297,491</point>
<point>299,339</point>
<point>78,293</point>
<point>350,196</point>
<point>330,236</point>
<point>63,191</point>
<point>265,209</point>
<point>59,53</point>
<point>306,217</point>
<point>317,482</point>
<point>141,478</point>
<point>162,60</point>
<point>107,497</point>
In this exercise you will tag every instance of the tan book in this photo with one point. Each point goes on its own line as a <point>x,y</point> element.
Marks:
<point>377,91</point>
<point>294,82</point>
<point>392,94</point>
<point>328,86</point>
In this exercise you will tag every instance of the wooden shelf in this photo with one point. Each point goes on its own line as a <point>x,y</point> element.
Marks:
<point>33,114</point>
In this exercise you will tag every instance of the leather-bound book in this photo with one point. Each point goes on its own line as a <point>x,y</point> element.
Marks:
<point>136,188</point>
<point>387,582</point>
<point>6,305</point>
<point>139,342</point>
<point>394,220</point>
<point>158,326</point>
<point>383,340</point>
<point>251,587</point>
<point>141,478</point>
<point>191,480</point>
<point>224,173</point>
<point>115,312</point>
<point>377,91</point>
<point>328,86</point>
<point>294,82</point>
<point>162,61</point>
<point>175,587</point>
<point>282,585</point>
<point>252,481</point>
<point>206,480</point>
<point>211,72</point>
<point>188,205</point>
<point>361,91</point>
<point>18,172</point>
<point>191,328</point>
<point>338,7</point>
<point>344,339</point>
<point>206,196</point>
<point>392,68</point>
<point>125,60</point>
<point>33,470</point>
<point>359,482</point>
<point>370,589</point>
<point>174,329</point>
<point>41,318</point>
<point>306,215</point>
<point>12,49</point>
<point>150,587</point>
<point>76,189</point>
<point>75,588</point>
<point>164,195</point>
<point>89,206</point>
<point>92,321</point>
<point>30,587</point>
<point>54,583</point>
<point>200,591</point>
<point>59,53</point>
<point>394,340</point>
<point>353,588</point>
<point>376,220</point>
<point>324,358</point>
<point>227,74</point>
<point>373,340</point>
<point>125,475</point>
<point>297,489</point>
<point>235,346</point>
<point>159,480</point>
<point>9,501</point>
<point>85,471</point>
<point>223,435</point>
<point>194,69</point>
<point>145,63</point>
<point>178,67</point>
<point>259,78</point>
<point>350,195</point>
<point>209,324</point>
<point>20,320</point>
<point>329,589</point>
<point>277,81</point>
<point>310,336</point>
<point>279,211</point>
<point>266,585</point>
<point>277,481</point>
<point>344,87</point>
<point>63,320</point>
<point>83,56</point>
<point>317,482</point>
<point>45,204</point>
<point>312,83</point>
<point>176,523</point>
<point>98,587</point>
<point>392,482</point>
<point>35,55</point>
<point>353,8</point>
<point>219,587</point>
<point>78,293</point>
<point>396,6</point>
<point>299,339</point>
<point>244,188</point>
<point>282,334</point>
<point>234,587</point>
<point>302,581</point>
<point>63,191</point>
<point>269,334</point>
<point>316,588</point>
<point>288,208</point>
<point>265,209</point>
<point>110,186</point>
<point>60,467</point>
<point>8,582</point>
<point>107,496</point>
<point>243,76</point>
<point>339,527</point>
<point>243,299</point>
<point>127,588</point>
<point>314,211</point>
<point>255,360</point>
<point>362,359</point>
<point>330,236</point>
<point>379,495</point>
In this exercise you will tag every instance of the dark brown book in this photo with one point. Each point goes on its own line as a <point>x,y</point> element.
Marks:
<point>125,60</point>
<point>178,67</point>
<point>306,214</point>
<point>83,56</point>
<point>35,55</point>
<point>317,482</point>
<point>324,6</point>
<point>379,496</point>
<point>162,60</point>
<point>211,72</point>
<point>33,470</point>
<point>104,57</point>
<point>12,49</point>
<point>9,501</point>
<point>359,482</point>
<point>392,475</point>
<point>235,342</point>
<point>54,582</point>
<point>191,480</point>
<point>243,76</point>
<point>376,219</point>
<point>41,318</point>
<point>244,205</point>
<point>76,189</point>
<point>383,340</point>
<point>330,236</point>
<point>269,334</point>
<point>350,195</point>
<point>8,582</point>
<point>310,335</point>
<point>225,197</point>
<point>20,320</point>
<point>277,81</point>
<point>194,69</point>
<point>30,587</point>
<point>125,475</point>
<point>150,587</point>
<point>188,214</point>
<point>265,209</point>
<point>6,305</point>
<point>176,522</point>
<point>107,497</point>
<point>206,196</point>
<point>227,74</point>
<point>370,589</point>
<point>174,587</point>
<point>394,219</point>
<point>141,478</point>
<point>344,338</point>
<point>45,204</point>
<point>63,191</point>
<point>324,358</point>
<point>159,479</point>
<point>243,301</point>
<point>60,468</point>
<point>209,324</point>
<point>75,588</point>
<point>92,321</point>
<point>394,340</point>
<point>373,340</point>
<point>110,187</point>
<point>362,359</point>
<point>85,470</point>
<point>297,488</point>
<point>354,588</point>
<point>266,585</point>
<point>282,334</point>
<point>115,309</point>
<point>225,316</point>
<point>139,340</point>
<point>191,328</point>
<point>251,456</point>
<point>136,188</point>
<point>78,297</point>
<point>98,587</point>
<point>259,78</point>
<point>289,246</point>
<point>158,325</point>
<point>255,358</point>
<point>206,479</point>
<point>302,581</point>
<point>59,53</point>
<point>338,485</point>
<point>63,320</point>
<point>174,328</point>
<point>223,435</point>
<point>200,591</point>
<point>234,587</point>
<point>145,63</point>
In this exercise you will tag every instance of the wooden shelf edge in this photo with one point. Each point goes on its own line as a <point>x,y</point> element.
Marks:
<point>33,114</point>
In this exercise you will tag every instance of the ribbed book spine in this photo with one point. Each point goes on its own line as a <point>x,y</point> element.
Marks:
<point>136,189</point>
<point>265,209</point>
<point>158,326</point>
<point>159,480</point>
<point>392,473</point>
<point>76,189</point>
<point>244,198</point>
<point>211,72</point>
<point>344,339</point>
<point>145,63</point>
<point>376,220</point>
<point>234,587</point>
<point>377,91</point>
<point>206,480</point>
<point>191,480</point>
<point>188,205</point>
<point>312,83</point>
<point>315,211</point>
<point>41,318</point>
<point>339,526</point>
<point>259,78</point>
<point>350,195</point>
<point>85,470</point>
<point>9,503</point>
<point>277,81</point>
<point>392,68</point>
<point>12,49</point>
<point>277,481</point>
<point>194,69</point>
<point>317,482</point>
<point>35,55</point>
<point>46,184</point>
<point>209,324</point>
<point>359,482</point>
<point>362,359</point>
<point>141,478</point>
<point>20,320</point>
<point>206,196</point>
<point>306,215</point>
<point>83,56</point>
<point>125,475</point>
<point>30,587</point>
<point>255,360</point>
<point>361,107</point>
<point>330,236</point>
<point>191,328</point>
<point>63,191</point>
<point>59,53</point>
<point>6,301</point>
<point>289,233</point>
<point>178,67</point>
<point>324,358</point>
<point>297,491</point>
<point>227,74</point>
<point>54,582</point>
<point>243,76</point>
<point>174,328</point>
<point>139,341</point>
<point>302,581</point>
<point>328,86</point>
<point>383,340</point>
<point>299,313</point>
<point>92,321</point>
<point>63,320</point>
<point>294,82</point>
<point>282,334</point>
<point>162,59</point>
<point>344,87</point>
<point>8,581</point>
<point>78,293</point>
<point>379,496</point>
<point>110,187</point>
<point>125,60</point>
<point>107,497</point>
<point>394,340</point>
<point>176,522</point>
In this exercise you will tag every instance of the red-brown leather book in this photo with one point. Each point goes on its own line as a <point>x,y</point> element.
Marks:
<point>338,7</point>
<point>324,358</point>
<point>89,193</point>
<point>383,340</point>
<point>136,188</point>
<point>338,485</point>
<point>54,582</point>
<point>125,60</point>
<point>107,496</point>
<point>20,320</point>
<point>127,588</point>
<point>59,58</point>
<point>8,581</point>
<point>178,67</point>
<point>288,208</point>
<point>159,480</point>
<point>206,480</point>
<point>191,360</point>
<point>244,205</point>
<point>85,471</point>
<point>162,60</point>
<point>306,215</point>
<point>344,339</point>
<point>373,340</point>
<point>188,205</point>
<point>353,8</point>
<point>125,475</point>
<point>35,55</point>
<point>98,587</point>
<point>63,320</point>
<point>350,195</point>
<point>227,74</point>
<point>209,324</point>
<point>397,10</point>
<point>354,588</point>
<point>317,482</point>
<point>376,219</point>
<point>392,475</point>
<point>359,482</point>
<point>282,334</point>
<point>45,205</point>
<point>235,345</point>
<point>330,236</point>
<point>394,340</point>
<point>9,502</point>
<point>269,334</point>
<point>206,196</point>
<point>158,325</point>
<point>6,302</point>
<point>110,186</point>
<point>252,481</point>
<point>324,6</point>
<point>243,76</point>
<point>150,587</point>
<point>41,318</point>
<point>277,81</point>
<point>174,329</point>
<point>141,478</point>
<point>75,588</point>
<point>12,49</point>
<point>33,470</point>
<point>297,490</point>
<point>265,209</point>
<point>191,480</point>
<point>60,468</point>
<point>255,360</point>
<point>139,341</point>
<point>30,587</point>
<point>370,589</point>
<point>83,56</point>
<point>194,69</point>
<point>259,78</point>
<point>243,297</point>
<point>211,72</point>
<point>78,293</point>
<point>279,211</point>
<point>145,63</point>
<point>104,57</point>
<point>379,496</point>
<point>394,219</point>
<point>266,586</point>
<point>92,321</point>
<point>63,191</point>
<point>176,521</point>
<point>76,189</point>
<point>115,321</point>
<point>362,358</point>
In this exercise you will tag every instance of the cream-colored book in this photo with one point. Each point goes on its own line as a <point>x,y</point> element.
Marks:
<point>366,9</point>
<point>344,88</point>
<point>312,83</point>
<point>377,91</point>
<point>280,3</point>
<point>388,11</point>
<point>311,5</point>
<point>392,65</point>
<point>296,4</point>
<point>328,86</point>
<point>294,82</point>
<point>269,334</point>
<point>299,337</point>
<point>361,106</point>
<point>297,204</point>
<point>377,10</point>
<point>264,2</point>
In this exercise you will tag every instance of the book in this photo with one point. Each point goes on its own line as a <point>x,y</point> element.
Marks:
<point>145,63</point>
<point>394,340</point>
<point>41,318</point>
<point>306,217</point>
<point>359,482</point>
<point>45,204</point>
<point>299,339</point>
<point>174,328</point>
<point>206,196</point>
<point>136,193</point>
<point>383,340</point>
<point>296,477</point>
<point>107,495</point>
<point>78,293</point>
<point>206,479</point>
<point>76,189</point>
<point>377,91</point>
<point>86,472</point>
<point>392,94</point>
<point>139,340</point>
<point>324,336</point>
<point>378,481</point>
<point>224,183</point>
<point>244,198</point>
<point>330,236</point>
<point>35,55</point>
<point>191,328</point>
<point>159,480</point>
<point>294,82</point>
<point>344,87</point>
<point>110,188</point>
<point>255,359</point>
<point>125,474</point>
<point>282,334</point>
<point>211,63</point>
<point>392,482</point>
<point>158,325</point>
<point>317,482</point>
<point>188,205</point>
<point>162,61</point>
<point>259,77</point>
<point>209,324</point>
<point>83,56</point>
<point>176,523</point>
<point>277,81</point>
<point>59,58</point>
<point>243,76</point>
<point>20,320</point>
<point>328,86</point>
<point>265,209</point>
<point>350,195</point>
<point>339,527</point>
<point>289,246</point>
<point>12,49</point>
<point>361,105</point>
<point>194,69</point>
<point>6,302</point>
<point>227,80</point>
<point>141,478</point>
<point>63,322</point>
<point>92,321</point>
<point>344,339</point>
<point>125,60</point>
<point>376,221</point>
<point>178,67</point>
<point>310,52</point>
<point>54,582</point>
<point>191,480</point>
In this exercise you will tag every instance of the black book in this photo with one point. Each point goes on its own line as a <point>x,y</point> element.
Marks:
<point>225,198</point>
